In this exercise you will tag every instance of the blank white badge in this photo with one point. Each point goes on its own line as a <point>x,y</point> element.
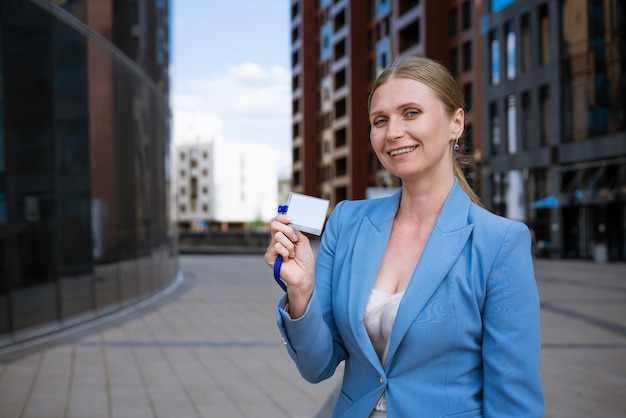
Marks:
<point>307,213</point>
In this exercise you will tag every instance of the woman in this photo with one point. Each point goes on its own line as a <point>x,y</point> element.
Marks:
<point>429,299</point>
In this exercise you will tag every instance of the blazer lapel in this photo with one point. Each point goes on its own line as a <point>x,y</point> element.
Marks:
<point>444,245</point>
<point>371,240</point>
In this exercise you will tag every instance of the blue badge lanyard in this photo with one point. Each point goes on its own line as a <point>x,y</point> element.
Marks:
<point>279,259</point>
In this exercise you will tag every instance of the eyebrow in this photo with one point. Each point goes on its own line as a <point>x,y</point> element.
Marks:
<point>402,106</point>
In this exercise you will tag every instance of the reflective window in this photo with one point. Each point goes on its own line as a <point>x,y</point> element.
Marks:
<point>495,58</point>
<point>510,51</point>
<point>84,145</point>
<point>544,36</point>
<point>326,51</point>
<point>495,129</point>
<point>511,124</point>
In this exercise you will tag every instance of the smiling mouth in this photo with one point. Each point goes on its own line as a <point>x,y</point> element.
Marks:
<point>401,151</point>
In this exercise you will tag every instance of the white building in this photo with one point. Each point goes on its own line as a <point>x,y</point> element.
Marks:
<point>224,183</point>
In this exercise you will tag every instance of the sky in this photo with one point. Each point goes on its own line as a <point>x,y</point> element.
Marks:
<point>230,76</point>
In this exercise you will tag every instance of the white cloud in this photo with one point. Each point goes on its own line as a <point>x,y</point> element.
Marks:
<point>247,103</point>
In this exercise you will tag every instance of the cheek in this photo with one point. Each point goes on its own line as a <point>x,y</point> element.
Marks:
<point>375,140</point>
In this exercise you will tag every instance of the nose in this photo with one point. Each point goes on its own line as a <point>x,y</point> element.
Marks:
<point>394,129</point>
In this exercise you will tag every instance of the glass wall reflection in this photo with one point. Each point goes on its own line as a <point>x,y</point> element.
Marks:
<point>84,139</point>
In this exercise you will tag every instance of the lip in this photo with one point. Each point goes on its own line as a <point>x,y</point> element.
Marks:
<point>397,152</point>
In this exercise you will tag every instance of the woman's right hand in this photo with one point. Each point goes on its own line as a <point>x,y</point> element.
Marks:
<point>298,264</point>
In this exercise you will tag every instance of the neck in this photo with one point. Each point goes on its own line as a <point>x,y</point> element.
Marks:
<point>424,200</point>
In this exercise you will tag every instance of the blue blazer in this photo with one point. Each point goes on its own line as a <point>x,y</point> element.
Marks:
<point>466,340</point>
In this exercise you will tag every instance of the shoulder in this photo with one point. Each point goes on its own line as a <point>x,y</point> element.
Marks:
<point>380,207</point>
<point>496,228</point>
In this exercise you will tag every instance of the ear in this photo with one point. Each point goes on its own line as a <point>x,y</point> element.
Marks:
<point>457,123</point>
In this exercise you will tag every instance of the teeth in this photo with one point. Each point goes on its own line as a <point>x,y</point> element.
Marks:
<point>401,151</point>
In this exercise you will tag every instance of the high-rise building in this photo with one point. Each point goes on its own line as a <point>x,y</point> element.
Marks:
<point>338,48</point>
<point>84,143</point>
<point>543,83</point>
<point>554,114</point>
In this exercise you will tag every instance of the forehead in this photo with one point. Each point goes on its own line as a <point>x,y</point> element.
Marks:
<point>398,90</point>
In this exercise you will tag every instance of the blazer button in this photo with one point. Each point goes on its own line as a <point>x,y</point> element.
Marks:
<point>381,380</point>
<point>284,342</point>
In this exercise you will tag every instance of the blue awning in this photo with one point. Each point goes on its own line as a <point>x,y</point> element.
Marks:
<point>547,202</point>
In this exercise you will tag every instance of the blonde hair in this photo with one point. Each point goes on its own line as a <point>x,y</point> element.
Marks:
<point>438,78</point>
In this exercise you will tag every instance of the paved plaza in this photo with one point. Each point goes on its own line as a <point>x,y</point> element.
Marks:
<point>209,347</point>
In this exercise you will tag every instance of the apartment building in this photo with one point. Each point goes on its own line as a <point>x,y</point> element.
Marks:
<point>338,49</point>
<point>223,186</point>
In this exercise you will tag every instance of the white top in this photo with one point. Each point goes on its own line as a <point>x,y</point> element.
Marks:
<point>380,314</point>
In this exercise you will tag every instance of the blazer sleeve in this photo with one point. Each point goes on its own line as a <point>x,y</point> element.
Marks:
<point>312,340</point>
<point>511,339</point>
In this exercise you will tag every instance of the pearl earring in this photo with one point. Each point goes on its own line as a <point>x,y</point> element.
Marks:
<point>456,145</point>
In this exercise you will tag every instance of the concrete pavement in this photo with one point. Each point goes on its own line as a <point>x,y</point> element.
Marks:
<point>210,348</point>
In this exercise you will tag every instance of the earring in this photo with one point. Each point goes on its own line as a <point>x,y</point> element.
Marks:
<point>456,145</point>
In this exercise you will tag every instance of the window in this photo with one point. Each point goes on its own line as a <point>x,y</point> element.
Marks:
<point>467,56</point>
<point>454,62</point>
<point>294,9</point>
<point>544,36</point>
<point>466,15</point>
<point>453,22</point>
<point>525,60</point>
<point>341,167</point>
<point>294,34</point>
<point>410,35</point>
<point>341,137</point>
<point>511,125</point>
<point>296,130</point>
<point>495,58</point>
<point>383,54</point>
<point>382,8</point>
<point>340,49</point>
<point>525,121</point>
<point>407,5</point>
<point>544,122</point>
<point>340,79</point>
<point>497,5</point>
<point>326,51</point>
<point>498,187</point>
<point>510,51</point>
<point>495,129</point>
<point>468,96</point>
<point>340,20</point>
<point>515,195</point>
<point>296,154</point>
<point>340,108</point>
<point>382,29</point>
<point>296,178</point>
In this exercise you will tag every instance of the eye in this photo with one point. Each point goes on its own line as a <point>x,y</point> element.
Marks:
<point>378,122</point>
<point>411,113</point>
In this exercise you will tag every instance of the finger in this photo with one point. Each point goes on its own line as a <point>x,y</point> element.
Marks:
<point>286,230</point>
<point>283,242</point>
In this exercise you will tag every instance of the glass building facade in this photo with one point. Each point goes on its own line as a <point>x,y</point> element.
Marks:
<point>557,144</point>
<point>84,143</point>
